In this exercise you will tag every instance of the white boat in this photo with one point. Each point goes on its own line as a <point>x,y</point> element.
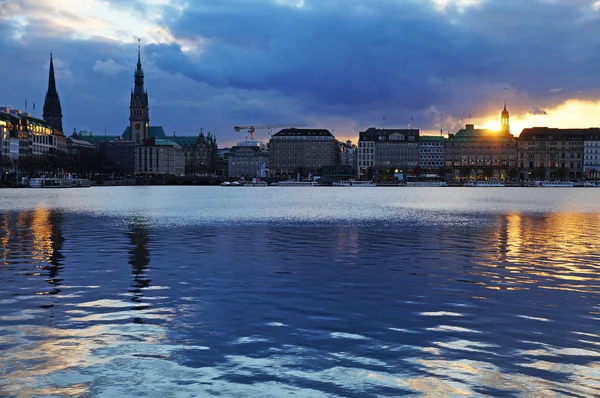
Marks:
<point>256,184</point>
<point>292,183</point>
<point>554,184</point>
<point>489,183</point>
<point>426,183</point>
<point>51,182</point>
<point>353,183</point>
<point>592,184</point>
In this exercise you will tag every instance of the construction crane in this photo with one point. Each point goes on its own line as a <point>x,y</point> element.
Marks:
<point>251,129</point>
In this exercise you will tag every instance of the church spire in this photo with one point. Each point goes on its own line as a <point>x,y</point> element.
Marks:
<point>52,109</point>
<point>504,120</point>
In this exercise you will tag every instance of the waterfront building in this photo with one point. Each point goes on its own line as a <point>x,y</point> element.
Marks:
<point>36,136</point>
<point>248,159</point>
<point>431,155</point>
<point>200,152</point>
<point>349,155</point>
<point>384,153</point>
<point>79,148</point>
<point>554,154</point>
<point>154,153</point>
<point>481,154</point>
<point>302,151</point>
<point>159,157</point>
<point>52,109</point>
<point>591,156</point>
<point>121,153</point>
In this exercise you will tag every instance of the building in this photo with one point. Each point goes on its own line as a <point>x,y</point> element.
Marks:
<point>302,151</point>
<point>159,157</point>
<point>77,148</point>
<point>431,155</point>
<point>200,152</point>
<point>591,159</point>
<point>383,153</point>
<point>481,154</point>
<point>555,154</point>
<point>154,154</point>
<point>349,155</point>
<point>139,117</point>
<point>52,109</point>
<point>120,153</point>
<point>248,159</point>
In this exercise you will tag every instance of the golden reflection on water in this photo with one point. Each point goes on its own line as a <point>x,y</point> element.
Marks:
<point>5,239</point>
<point>42,232</point>
<point>563,248</point>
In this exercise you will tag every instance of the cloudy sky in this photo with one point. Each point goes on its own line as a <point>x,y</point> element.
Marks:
<point>343,65</point>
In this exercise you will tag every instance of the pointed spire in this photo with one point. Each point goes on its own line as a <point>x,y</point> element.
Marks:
<point>139,71</point>
<point>504,104</point>
<point>52,113</point>
<point>51,80</point>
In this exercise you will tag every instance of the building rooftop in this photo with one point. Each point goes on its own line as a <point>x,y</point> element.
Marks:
<point>434,138</point>
<point>293,132</point>
<point>542,133</point>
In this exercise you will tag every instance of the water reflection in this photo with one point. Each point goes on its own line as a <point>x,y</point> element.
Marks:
<point>496,304</point>
<point>139,257</point>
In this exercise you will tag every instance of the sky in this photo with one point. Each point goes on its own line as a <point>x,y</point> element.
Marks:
<point>343,65</point>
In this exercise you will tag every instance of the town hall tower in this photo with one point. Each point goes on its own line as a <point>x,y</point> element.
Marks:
<point>139,118</point>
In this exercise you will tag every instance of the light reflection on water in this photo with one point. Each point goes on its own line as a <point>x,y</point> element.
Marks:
<point>441,302</point>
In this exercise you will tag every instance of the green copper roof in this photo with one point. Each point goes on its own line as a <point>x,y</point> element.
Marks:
<point>480,134</point>
<point>433,138</point>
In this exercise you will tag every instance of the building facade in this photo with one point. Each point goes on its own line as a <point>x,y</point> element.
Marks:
<point>249,159</point>
<point>349,155</point>
<point>302,151</point>
<point>200,153</point>
<point>554,154</point>
<point>383,153</point>
<point>431,154</point>
<point>481,154</point>
<point>591,156</point>
<point>159,157</point>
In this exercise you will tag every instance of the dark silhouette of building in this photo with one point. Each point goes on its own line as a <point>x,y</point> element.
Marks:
<point>504,121</point>
<point>139,117</point>
<point>52,109</point>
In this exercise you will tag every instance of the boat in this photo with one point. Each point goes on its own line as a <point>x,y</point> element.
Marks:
<point>488,183</point>
<point>426,184</point>
<point>553,184</point>
<point>293,183</point>
<point>591,184</point>
<point>53,182</point>
<point>353,183</point>
<point>256,184</point>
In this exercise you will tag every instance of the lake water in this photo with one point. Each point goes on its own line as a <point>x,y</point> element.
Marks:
<point>303,292</point>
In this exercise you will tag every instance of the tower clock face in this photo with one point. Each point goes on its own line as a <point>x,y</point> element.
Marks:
<point>138,126</point>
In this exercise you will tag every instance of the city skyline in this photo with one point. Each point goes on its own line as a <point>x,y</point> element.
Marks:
<point>344,66</point>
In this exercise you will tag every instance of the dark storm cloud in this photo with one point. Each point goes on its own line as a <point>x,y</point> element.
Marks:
<point>401,53</point>
<point>264,62</point>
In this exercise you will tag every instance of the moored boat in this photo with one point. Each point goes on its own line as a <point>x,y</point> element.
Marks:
<point>52,182</point>
<point>293,183</point>
<point>488,183</point>
<point>553,184</point>
<point>354,183</point>
<point>426,184</point>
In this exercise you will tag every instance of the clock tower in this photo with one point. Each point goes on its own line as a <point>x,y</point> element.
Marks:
<point>139,118</point>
